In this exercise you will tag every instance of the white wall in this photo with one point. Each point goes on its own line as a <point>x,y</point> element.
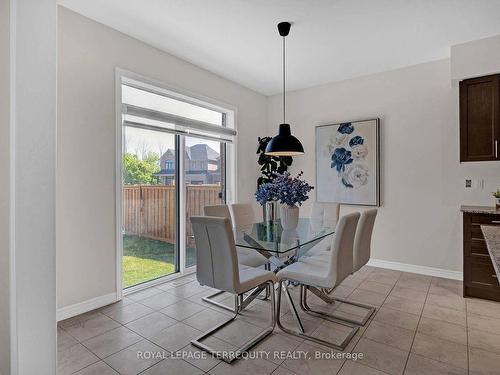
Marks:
<point>4,186</point>
<point>34,153</point>
<point>88,55</point>
<point>422,180</point>
<point>475,58</point>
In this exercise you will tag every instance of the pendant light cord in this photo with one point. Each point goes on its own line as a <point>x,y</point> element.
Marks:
<point>284,80</point>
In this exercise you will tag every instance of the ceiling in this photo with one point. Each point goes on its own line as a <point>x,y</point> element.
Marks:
<point>330,40</point>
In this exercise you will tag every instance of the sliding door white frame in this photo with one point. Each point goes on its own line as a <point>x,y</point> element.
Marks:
<point>230,111</point>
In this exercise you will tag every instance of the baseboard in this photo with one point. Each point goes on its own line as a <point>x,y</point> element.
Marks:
<point>85,306</point>
<point>423,270</point>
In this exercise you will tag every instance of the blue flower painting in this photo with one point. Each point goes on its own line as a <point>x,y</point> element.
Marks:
<point>347,162</point>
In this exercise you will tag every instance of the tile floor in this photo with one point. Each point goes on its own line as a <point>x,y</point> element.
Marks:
<point>422,326</point>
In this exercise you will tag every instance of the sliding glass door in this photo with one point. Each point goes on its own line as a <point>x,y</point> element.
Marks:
<point>174,162</point>
<point>150,205</point>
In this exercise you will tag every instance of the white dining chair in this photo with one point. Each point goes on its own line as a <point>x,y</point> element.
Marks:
<point>323,215</point>
<point>246,257</point>
<point>361,256</point>
<point>242,214</point>
<point>363,239</point>
<point>217,267</point>
<point>313,276</point>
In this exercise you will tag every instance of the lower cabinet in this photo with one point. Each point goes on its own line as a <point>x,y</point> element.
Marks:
<point>480,279</point>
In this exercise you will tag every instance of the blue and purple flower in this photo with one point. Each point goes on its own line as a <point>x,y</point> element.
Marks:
<point>340,158</point>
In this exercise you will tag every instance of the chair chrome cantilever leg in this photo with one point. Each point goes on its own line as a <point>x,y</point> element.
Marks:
<point>321,294</point>
<point>341,346</point>
<point>230,357</point>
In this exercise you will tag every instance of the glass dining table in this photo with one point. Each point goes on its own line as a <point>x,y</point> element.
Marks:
<point>282,247</point>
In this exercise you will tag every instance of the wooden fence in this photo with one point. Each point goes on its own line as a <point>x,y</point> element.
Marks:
<point>149,210</point>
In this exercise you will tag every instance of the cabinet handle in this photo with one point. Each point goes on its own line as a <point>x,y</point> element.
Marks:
<point>496,148</point>
<point>495,221</point>
<point>494,276</point>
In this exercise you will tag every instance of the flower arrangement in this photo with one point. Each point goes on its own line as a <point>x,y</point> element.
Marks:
<point>496,194</point>
<point>285,189</point>
<point>348,153</point>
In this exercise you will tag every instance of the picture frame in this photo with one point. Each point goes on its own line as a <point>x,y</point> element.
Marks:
<point>348,162</point>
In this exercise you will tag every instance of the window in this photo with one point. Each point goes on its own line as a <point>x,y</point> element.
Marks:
<point>161,131</point>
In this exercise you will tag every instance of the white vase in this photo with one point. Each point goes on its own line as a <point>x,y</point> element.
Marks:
<point>289,216</point>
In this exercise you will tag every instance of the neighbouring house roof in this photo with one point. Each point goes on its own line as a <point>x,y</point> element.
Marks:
<point>195,152</point>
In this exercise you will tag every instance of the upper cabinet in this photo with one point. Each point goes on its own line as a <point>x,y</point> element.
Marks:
<point>479,119</point>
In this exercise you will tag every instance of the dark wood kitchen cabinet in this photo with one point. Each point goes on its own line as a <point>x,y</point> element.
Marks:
<point>480,119</point>
<point>480,279</point>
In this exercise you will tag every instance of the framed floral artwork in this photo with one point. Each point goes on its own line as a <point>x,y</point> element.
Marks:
<point>348,163</point>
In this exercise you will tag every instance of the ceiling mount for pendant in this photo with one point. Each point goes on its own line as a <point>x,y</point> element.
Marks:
<point>284,144</point>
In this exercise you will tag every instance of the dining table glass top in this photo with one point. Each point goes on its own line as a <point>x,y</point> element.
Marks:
<point>273,238</point>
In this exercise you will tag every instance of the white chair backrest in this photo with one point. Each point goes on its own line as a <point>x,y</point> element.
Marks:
<point>216,258</point>
<point>243,214</point>
<point>363,239</point>
<point>327,214</point>
<point>341,253</point>
<point>219,210</point>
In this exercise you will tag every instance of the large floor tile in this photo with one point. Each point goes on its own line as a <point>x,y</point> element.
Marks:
<point>175,337</point>
<point>444,314</point>
<point>136,358</point>
<point>484,340</point>
<point>202,359</point>
<point>307,363</point>
<point>88,328</point>
<point>381,357</point>
<point>145,293</point>
<point>483,323</point>
<point>375,287</point>
<point>416,295</point>
<point>356,368</point>
<point>98,368</point>
<point>397,318</point>
<point>172,366</point>
<point>160,300</point>
<point>244,367</point>
<point>128,313</point>
<point>440,350</point>
<point>418,365</point>
<point>403,304</point>
<point>151,324</point>
<point>483,308</point>
<point>188,290</point>
<point>112,342</point>
<point>183,309</point>
<point>455,302</point>
<point>415,284</point>
<point>483,362</point>
<point>446,331</point>
<point>367,297</point>
<point>382,279</point>
<point>73,359</point>
<point>400,338</point>
<point>238,332</point>
<point>206,319</point>
<point>64,340</point>
<point>275,345</point>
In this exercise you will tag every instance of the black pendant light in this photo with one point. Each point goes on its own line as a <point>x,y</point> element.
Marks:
<point>284,144</point>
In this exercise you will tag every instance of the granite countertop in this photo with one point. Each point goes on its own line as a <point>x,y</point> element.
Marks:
<point>492,237</point>
<point>480,210</point>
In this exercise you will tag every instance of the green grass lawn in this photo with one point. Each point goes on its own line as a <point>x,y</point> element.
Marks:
<point>145,259</point>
